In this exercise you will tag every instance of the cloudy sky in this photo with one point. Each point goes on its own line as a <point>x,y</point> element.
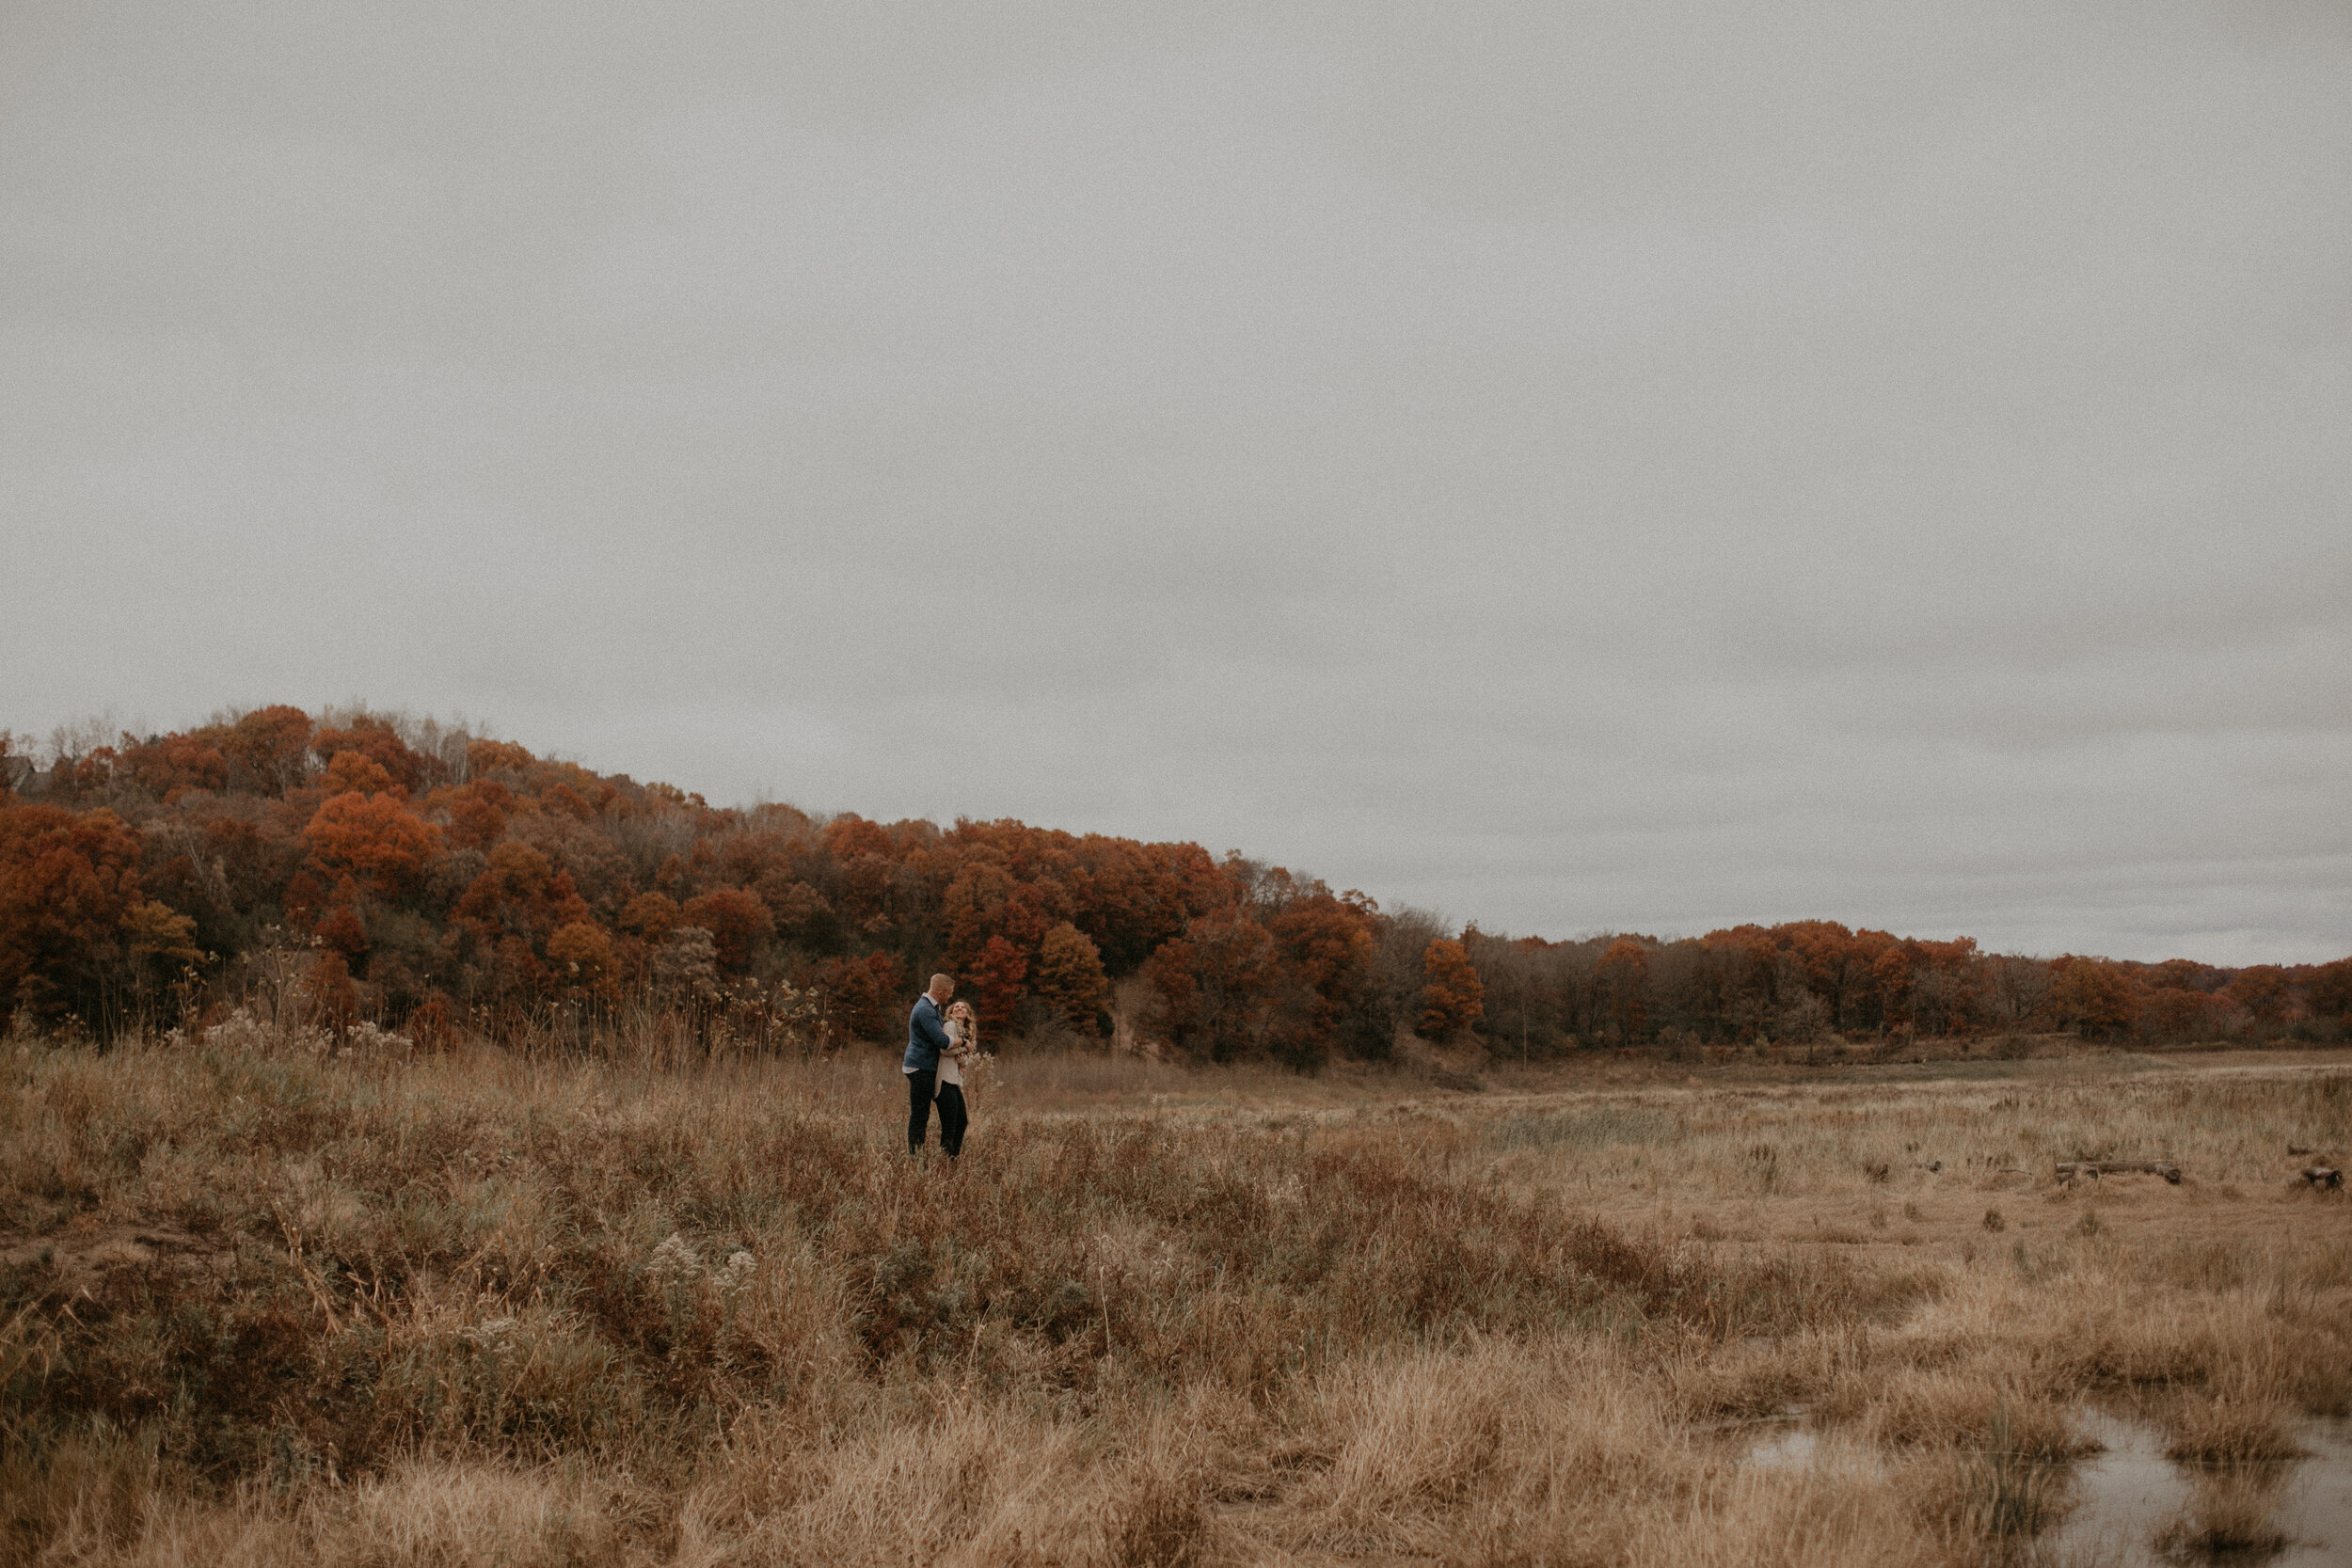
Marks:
<point>1636,466</point>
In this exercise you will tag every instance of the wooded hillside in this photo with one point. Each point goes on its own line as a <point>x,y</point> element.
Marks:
<point>367,866</point>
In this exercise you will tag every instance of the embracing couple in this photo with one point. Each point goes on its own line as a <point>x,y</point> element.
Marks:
<point>942,1041</point>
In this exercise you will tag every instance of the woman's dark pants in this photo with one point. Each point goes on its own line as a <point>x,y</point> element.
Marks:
<point>952,1118</point>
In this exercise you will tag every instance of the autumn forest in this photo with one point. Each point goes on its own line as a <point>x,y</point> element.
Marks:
<point>379,870</point>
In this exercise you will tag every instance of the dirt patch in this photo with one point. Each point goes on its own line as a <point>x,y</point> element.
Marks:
<point>77,1260</point>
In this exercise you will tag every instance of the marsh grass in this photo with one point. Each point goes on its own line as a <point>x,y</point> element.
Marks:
<point>265,1306</point>
<point>2230,1514</point>
<point>2231,1432</point>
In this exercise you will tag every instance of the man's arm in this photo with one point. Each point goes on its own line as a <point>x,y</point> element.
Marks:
<point>927,1027</point>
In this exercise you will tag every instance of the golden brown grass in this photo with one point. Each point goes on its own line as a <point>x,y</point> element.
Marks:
<point>260,1307</point>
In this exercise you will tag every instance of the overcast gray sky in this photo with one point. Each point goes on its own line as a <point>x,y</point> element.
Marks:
<point>1643,465</point>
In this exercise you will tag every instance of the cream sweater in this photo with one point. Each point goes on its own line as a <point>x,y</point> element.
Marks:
<point>949,1071</point>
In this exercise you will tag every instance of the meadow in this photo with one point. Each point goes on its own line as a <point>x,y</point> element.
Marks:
<point>277,1299</point>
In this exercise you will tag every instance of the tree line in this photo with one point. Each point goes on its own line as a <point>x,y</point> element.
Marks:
<point>362,865</point>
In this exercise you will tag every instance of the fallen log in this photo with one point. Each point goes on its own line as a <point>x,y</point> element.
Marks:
<point>2323,1178</point>
<point>2069,1169</point>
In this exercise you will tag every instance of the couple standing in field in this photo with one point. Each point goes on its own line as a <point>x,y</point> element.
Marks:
<point>942,1041</point>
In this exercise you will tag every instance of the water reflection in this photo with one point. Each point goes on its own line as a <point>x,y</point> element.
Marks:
<point>2136,1508</point>
<point>2133,1508</point>
<point>1790,1449</point>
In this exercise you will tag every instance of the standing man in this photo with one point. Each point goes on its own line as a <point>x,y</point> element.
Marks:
<point>926,1037</point>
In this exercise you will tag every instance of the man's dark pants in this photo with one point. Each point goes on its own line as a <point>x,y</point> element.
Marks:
<point>921,1087</point>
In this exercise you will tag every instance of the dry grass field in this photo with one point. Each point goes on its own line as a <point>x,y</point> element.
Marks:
<point>259,1306</point>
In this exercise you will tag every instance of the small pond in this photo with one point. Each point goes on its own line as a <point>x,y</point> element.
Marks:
<point>2127,1498</point>
<point>2127,1495</point>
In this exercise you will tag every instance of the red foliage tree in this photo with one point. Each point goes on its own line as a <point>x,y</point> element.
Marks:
<point>1834,965</point>
<point>1218,985</point>
<point>477,811</point>
<point>2262,990</point>
<point>327,989</point>
<point>865,866</point>
<point>269,749</point>
<point>2330,989</point>
<point>67,883</point>
<point>169,767</point>
<point>997,974</point>
<point>505,916</point>
<point>737,923</point>
<point>1622,978</point>
<point>564,800</point>
<point>2173,1013</point>
<point>863,994</point>
<point>341,931</point>
<point>987,898</point>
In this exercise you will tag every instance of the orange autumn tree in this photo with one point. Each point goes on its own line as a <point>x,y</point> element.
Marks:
<point>505,916</point>
<point>268,750</point>
<point>1069,978</point>
<point>1453,999</point>
<point>374,839</point>
<point>580,957</point>
<point>1327,943</point>
<point>476,812</point>
<point>349,771</point>
<point>2092,996</point>
<point>375,741</point>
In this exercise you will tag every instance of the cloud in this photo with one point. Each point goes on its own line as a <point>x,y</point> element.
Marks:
<point>1580,466</point>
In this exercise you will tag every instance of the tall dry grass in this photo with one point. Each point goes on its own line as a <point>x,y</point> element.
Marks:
<point>263,1306</point>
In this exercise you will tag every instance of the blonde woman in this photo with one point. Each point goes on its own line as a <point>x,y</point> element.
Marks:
<point>962,1055</point>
